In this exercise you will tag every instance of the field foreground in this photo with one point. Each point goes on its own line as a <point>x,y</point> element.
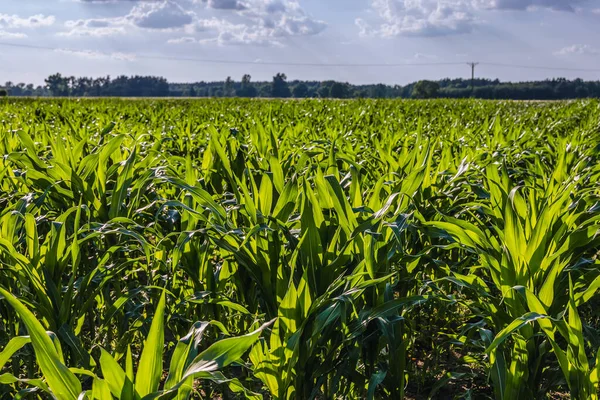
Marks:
<point>297,250</point>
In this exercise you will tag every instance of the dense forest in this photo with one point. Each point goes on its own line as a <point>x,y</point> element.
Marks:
<point>281,87</point>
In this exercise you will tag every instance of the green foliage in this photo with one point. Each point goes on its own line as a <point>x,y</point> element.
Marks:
<point>339,90</point>
<point>279,87</point>
<point>300,91</point>
<point>152,86</point>
<point>327,249</point>
<point>425,90</point>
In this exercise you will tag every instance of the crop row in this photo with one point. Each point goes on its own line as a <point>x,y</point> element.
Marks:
<point>299,250</point>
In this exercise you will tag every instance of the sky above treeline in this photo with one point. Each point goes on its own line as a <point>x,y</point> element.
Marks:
<point>400,41</point>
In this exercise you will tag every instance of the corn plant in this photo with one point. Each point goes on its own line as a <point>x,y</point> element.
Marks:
<point>373,249</point>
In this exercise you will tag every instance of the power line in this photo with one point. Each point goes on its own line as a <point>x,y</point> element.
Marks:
<point>238,62</point>
<point>28,46</point>
<point>295,64</point>
<point>541,67</point>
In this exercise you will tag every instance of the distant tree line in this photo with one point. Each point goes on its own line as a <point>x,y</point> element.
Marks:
<point>281,87</point>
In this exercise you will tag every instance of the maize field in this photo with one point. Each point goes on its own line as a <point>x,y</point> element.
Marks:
<point>243,249</point>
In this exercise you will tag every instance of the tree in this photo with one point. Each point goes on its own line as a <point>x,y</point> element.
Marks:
<point>215,92</point>
<point>338,90</point>
<point>152,86</point>
<point>99,86</point>
<point>3,92</point>
<point>228,87</point>
<point>265,91</point>
<point>300,91</point>
<point>19,90</point>
<point>279,87</point>
<point>72,85</point>
<point>246,89</point>
<point>312,92</point>
<point>379,91</point>
<point>426,90</point>
<point>81,86</point>
<point>323,91</point>
<point>57,85</point>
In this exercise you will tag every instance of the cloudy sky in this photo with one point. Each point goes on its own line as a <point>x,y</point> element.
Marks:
<point>190,40</point>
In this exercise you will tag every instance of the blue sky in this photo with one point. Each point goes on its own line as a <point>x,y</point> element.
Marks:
<point>113,37</point>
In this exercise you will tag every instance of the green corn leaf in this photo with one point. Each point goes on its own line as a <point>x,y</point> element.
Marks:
<point>376,380</point>
<point>114,376</point>
<point>9,379</point>
<point>101,390</point>
<point>150,367</point>
<point>224,352</point>
<point>184,353</point>
<point>62,382</point>
<point>15,344</point>
<point>513,327</point>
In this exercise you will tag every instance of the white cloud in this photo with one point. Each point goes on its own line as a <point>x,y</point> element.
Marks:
<point>95,27</point>
<point>184,39</point>
<point>259,22</point>
<point>419,18</point>
<point>163,15</point>
<point>297,25</point>
<point>444,17</point>
<point>577,49</point>
<point>109,1</point>
<point>224,32</point>
<point>364,28</point>
<point>423,56</point>
<point>34,21</point>
<point>558,5</point>
<point>96,55</point>
<point>226,4</point>
<point>273,20</point>
<point>12,35</point>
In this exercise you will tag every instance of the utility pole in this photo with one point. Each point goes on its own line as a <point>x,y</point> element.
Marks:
<point>472,65</point>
